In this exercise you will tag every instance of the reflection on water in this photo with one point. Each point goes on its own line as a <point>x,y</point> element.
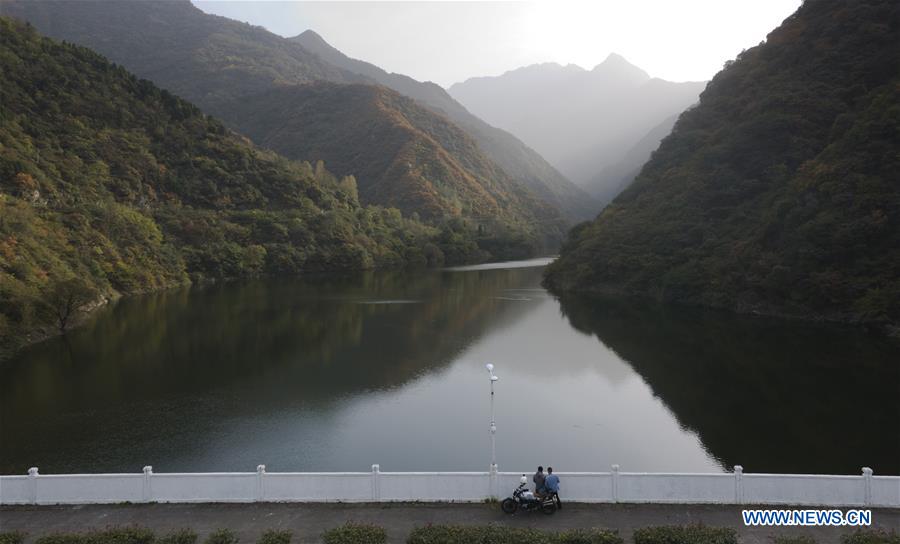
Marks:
<point>387,367</point>
<point>772,395</point>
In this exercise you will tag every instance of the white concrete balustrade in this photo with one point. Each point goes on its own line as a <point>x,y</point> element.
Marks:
<point>865,489</point>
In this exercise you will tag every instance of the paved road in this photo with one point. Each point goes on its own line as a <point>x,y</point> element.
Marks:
<point>308,521</point>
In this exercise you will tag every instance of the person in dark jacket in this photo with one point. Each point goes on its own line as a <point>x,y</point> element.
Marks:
<point>538,480</point>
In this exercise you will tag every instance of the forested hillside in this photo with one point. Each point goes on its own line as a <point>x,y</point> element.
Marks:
<point>517,159</point>
<point>206,59</point>
<point>613,179</point>
<point>110,185</point>
<point>403,155</point>
<point>228,68</point>
<point>778,193</point>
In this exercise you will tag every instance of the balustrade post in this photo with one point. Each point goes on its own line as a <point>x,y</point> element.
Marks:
<point>738,484</point>
<point>493,482</point>
<point>32,487</point>
<point>376,483</point>
<point>615,483</point>
<point>260,485</point>
<point>867,485</point>
<point>147,489</point>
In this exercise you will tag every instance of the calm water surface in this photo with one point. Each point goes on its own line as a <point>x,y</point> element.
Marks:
<point>388,368</point>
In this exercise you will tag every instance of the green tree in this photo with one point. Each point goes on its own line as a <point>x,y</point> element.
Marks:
<point>65,298</point>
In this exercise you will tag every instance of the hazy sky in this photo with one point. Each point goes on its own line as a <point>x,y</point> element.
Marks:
<point>447,42</point>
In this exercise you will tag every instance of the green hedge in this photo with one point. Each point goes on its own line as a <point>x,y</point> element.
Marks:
<point>794,540</point>
<point>687,534</point>
<point>588,536</point>
<point>275,537</point>
<point>181,536</point>
<point>871,537</point>
<point>222,536</point>
<point>495,534</point>
<point>12,537</point>
<point>127,535</point>
<point>355,533</point>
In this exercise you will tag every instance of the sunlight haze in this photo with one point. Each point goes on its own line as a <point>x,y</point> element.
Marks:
<point>449,42</point>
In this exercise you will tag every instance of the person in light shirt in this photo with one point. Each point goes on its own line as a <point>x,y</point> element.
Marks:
<point>551,484</point>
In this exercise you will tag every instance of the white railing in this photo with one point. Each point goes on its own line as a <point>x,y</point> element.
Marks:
<point>376,486</point>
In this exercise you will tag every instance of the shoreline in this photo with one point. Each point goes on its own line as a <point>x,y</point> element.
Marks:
<point>890,330</point>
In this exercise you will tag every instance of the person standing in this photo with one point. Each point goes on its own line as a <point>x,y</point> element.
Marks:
<point>538,480</point>
<point>551,485</point>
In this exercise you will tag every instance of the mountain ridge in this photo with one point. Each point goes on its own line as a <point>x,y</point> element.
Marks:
<point>582,121</point>
<point>110,185</point>
<point>513,156</point>
<point>777,193</point>
<point>223,65</point>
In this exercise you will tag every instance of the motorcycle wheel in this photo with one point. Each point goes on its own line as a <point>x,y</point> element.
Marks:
<point>509,506</point>
<point>548,507</point>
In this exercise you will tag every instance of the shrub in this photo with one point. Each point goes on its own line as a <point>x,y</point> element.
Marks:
<point>126,535</point>
<point>355,533</point>
<point>12,537</point>
<point>871,537</point>
<point>803,539</point>
<point>688,534</point>
<point>491,534</point>
<point>181,536</point>
<point>275,537</point>
<point>496,534</point>
<point>589,536</point>
<point>62,538</point>
<point>222,536</point>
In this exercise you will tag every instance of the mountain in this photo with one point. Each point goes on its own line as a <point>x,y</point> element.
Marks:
<point>409,157</point>
<point>778,193</point>
<point>110,185</point>
<point>206,59</point>
<point>518,160</point>
<point>582,121</point>
<point>615,177</point>
<point>228,68</point>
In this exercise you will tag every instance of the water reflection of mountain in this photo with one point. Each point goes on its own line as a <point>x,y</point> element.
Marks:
<point>176,362</point>
<point>771,395</point>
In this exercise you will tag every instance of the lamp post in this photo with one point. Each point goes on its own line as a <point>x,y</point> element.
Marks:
<point>494,378</point>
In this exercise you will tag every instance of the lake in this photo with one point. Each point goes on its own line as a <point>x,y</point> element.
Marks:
<point>387,367</point>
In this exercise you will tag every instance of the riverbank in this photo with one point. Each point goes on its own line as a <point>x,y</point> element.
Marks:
<point>309,521</point>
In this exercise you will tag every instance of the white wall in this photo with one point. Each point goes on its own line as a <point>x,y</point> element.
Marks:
<point>376,486</point>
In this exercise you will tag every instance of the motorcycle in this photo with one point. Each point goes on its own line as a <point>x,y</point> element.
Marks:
<point>523,498</point>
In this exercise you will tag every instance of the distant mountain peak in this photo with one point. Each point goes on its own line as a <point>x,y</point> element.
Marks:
<point>313,41</point>
<point>309,35</point>
<point>615,57</point>
<point>617,63</point>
